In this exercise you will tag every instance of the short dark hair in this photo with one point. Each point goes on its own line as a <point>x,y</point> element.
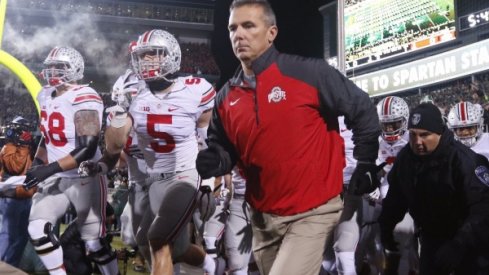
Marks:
<point>270,17</point>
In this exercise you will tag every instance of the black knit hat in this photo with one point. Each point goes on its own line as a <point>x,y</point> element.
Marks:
<point>426,116</point>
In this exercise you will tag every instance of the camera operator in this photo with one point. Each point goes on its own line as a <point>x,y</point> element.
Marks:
<point>15,202</point>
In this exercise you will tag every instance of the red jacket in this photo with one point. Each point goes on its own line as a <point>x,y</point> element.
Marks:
<point>284,133</point>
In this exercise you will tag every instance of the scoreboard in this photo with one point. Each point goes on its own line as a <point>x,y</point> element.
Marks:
<point>474,19</point>
<point>376,30</point>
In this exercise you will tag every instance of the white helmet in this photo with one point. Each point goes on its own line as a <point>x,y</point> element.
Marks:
<point>393,115</point>
<point>157,43</point>
<point>63,65</point>
<point>124,89</point>
<point>465,120</point>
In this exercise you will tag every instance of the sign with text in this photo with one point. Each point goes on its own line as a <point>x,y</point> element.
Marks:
<point>448,65</point>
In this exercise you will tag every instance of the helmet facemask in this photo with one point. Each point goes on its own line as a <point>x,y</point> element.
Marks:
<point>394,129</point>
<point>465,120</point>
<point>393,115</point>
<point>467,135</point>
<point>57,73</point>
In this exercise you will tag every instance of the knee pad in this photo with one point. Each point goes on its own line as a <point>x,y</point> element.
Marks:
<point>174,213</point>
<point>100,251</point>
<point>42,237</point>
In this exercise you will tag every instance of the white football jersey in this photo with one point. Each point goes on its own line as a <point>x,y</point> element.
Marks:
<point>388,153</point>
<point>165,124</point>
<point>351,162</point>
<point>482,145</point>
<point>58,120</point>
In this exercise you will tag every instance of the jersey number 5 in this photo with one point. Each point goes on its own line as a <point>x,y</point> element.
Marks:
<point>152,121</point>
<point>56,126</point>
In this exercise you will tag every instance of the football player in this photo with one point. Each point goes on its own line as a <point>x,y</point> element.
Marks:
<point>166,115</point>
<point>70,123</point>
<point>356,236</point>
<point>124,89</point>
<point>465,120</point>
<point>238,233</point>
<point>393,114</point>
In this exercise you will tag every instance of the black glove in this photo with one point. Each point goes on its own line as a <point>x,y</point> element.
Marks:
<point>39,173</point>
<point>365,178</point>
<point>213,162</point>
<point>448,257</point>
<point>206,202</point>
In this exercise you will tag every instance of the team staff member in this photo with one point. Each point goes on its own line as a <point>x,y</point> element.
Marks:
<point>277,117</point>
<point>445,187</point>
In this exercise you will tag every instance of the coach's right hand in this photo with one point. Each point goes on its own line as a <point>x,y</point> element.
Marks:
<point>213,162</point>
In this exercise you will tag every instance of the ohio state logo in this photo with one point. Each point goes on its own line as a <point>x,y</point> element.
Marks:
<point>276,95</point>
<point>416,119</point>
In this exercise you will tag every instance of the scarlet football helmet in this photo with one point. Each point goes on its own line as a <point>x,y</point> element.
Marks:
<point>465,120</point>
<point>63,65</point>
<point>164,55</point>
<point>393,115</point>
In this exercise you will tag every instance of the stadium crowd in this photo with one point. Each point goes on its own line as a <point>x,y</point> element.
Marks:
<point>473,89</point>
<point>197,59</point>
<point>124,9</point>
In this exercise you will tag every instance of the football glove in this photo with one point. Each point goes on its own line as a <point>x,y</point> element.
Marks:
<point>39,173</point>
<point>373,196</point>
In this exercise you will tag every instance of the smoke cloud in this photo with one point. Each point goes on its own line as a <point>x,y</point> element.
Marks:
<point>30,41</point>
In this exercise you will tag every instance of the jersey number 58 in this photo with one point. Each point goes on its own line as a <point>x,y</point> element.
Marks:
<point>56,126</point>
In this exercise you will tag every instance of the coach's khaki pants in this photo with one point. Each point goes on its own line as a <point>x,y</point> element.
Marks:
<point>294,245</point>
